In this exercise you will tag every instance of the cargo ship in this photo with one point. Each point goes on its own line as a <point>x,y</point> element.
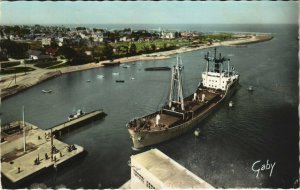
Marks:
<point>179,115</point>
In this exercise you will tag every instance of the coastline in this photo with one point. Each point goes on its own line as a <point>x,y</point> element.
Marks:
<point>36,77</point>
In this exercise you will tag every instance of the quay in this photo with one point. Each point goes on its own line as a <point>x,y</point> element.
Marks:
<point>155,170</point>
<point>111,63</point>
<point>65,127</point>
<point>22,158</point>
<point>27,150</point>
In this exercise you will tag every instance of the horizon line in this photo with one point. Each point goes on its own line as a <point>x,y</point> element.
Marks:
<point>59,24</point>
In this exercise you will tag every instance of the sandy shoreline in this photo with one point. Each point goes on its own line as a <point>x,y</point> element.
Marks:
<point>9,88</point>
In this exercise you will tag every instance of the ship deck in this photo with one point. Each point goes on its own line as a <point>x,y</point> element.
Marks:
<point>166,121</point>
<point>170,118</point>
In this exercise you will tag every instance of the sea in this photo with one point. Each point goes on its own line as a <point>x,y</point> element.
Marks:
<point>235,143</point>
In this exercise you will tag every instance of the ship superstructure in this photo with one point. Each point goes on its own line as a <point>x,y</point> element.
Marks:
<point>219,74</point>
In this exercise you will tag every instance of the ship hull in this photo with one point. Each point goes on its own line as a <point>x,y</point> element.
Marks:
<point>142,139</point>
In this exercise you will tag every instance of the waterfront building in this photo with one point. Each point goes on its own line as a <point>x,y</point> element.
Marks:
<point>155,170</point>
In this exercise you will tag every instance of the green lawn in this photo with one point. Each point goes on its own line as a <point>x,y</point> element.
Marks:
<point>47,64</point>
<point>9,64</point>
<point>59,66</point>
<point>12,70</point>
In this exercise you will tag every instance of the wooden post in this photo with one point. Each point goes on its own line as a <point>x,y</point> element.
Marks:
<point>51,145</point>
<point>24,129</point>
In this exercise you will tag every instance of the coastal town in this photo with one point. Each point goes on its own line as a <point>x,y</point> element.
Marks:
<point>81,45</point>
<point>32,54</point>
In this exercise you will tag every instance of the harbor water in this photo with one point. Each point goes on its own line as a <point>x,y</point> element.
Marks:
<point>261,128</point>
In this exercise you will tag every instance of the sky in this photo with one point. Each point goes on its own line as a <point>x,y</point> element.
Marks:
<point>163,12</point>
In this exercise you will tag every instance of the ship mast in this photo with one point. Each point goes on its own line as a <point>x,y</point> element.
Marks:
<point>207,63</point>
<point>176,95</point>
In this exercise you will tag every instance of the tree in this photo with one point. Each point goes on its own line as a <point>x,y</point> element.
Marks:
<point>81,58</point>
<point>67,52</point>
<point>80,28</point>
<point>165,46</point>
<point>14,49</point>
<point>153,47</point>
<point>177,35</point>
<point>132,49</point>
<point>53,44</point>
<point>146,49</point>
<point>108,51</point>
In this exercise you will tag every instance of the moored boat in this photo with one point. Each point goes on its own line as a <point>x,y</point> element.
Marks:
<point>78,114</point>
<point>125,66</point>
<point>157,69</point>
<point>46,91</point>
<point>180,115</point>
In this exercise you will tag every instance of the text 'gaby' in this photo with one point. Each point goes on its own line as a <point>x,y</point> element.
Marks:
<point>261,166</point>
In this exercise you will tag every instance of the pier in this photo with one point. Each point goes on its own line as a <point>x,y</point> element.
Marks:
<point>66,127</point>
<point>22,158</point>
<point>27,150</point>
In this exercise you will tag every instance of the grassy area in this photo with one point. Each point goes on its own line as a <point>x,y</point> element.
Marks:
<point>9,64</point>
<point>59,66</point>
<point>37,61</point>
<point>47,64</point>
<point>13,70</point>
<point>159,44</point>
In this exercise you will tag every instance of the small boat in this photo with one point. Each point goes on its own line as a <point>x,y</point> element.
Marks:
<point>100,76</point>
<point>120,81</point>
<point>197,132</point>
<point>88,81</point>
<point>115,74</point>
<point>125,66</point>
<point>230,104</point>
<point>132,78</point>
<point>78,114</point>
<point>158,69</point>
<point>46,91</point>
<point>250,88</point>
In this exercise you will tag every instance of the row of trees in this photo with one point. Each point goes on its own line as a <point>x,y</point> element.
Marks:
<point>13,49</point>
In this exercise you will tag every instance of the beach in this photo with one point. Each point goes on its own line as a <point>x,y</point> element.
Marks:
<point>12,84</point>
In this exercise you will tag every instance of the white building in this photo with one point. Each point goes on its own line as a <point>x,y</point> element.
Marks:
<point>60,41</point>
<point>97,37</point>
<point>168,35</point>
<point>46,41</point>
<point>88,52</point>
<point>123,39</point>
<point>155,170</point>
